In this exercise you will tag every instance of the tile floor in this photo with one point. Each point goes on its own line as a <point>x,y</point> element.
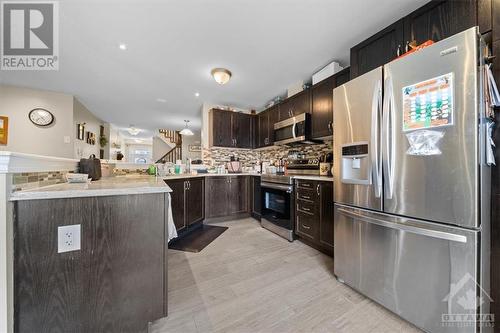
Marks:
<point>250,280</point>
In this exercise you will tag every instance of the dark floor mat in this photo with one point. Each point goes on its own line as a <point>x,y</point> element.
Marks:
<point>198,239</point>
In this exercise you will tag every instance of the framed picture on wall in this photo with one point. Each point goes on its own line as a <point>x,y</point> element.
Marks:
<point>194,148</point>
<point>4,129</point>
<point>91,138</point>
<point>80,131</point>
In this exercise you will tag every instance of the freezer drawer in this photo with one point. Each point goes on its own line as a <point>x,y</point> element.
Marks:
<point>408,266</point>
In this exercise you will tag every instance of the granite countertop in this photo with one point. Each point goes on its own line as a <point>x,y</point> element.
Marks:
<point>306,177</point>
<point>119,185</point>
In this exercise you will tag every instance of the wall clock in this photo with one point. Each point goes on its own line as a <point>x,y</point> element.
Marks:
<point>41,117</point>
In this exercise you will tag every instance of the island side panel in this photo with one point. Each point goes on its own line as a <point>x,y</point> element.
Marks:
<point>113,284</point>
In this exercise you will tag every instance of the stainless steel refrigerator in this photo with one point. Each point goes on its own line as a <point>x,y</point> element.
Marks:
<point>411,187</point>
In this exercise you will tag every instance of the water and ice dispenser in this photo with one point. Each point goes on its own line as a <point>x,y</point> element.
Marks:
<point>356,164</point>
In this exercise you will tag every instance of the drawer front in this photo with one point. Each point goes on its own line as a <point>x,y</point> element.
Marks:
<point>307,225</point>
<point>308,184</point>
<point>306,194</point>
<point>306,207</point>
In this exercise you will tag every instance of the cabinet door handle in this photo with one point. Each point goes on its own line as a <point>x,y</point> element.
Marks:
<point>306,209</point>
<point>189,185</point>
<point>306,227</point>
<point>398,51</point>
<point>306,197</point>
<point>317,189</point>
<point>407,46</point>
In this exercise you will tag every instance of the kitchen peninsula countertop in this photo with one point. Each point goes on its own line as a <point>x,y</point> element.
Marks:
<point>107,186</point>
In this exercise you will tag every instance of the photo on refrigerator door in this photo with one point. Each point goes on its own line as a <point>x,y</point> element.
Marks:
<point>428,104</point>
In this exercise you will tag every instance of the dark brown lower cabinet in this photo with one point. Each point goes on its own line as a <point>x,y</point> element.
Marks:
<point>188,201</point>
<point>314,213</point>
<point>255,196</point>
<point>226,196</point>
<point>115,283</point>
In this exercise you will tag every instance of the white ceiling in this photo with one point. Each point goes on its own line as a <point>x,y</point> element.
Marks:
<point>173,44</point>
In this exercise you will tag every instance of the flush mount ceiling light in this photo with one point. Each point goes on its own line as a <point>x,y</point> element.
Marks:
<point>196,94</point>
<point>186,130</point>
<point>133,131</point>
<point>221,75</point>
<point>122,46</point>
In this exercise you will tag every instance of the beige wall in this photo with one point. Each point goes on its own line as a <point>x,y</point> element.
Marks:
<point>191,140</point>
<point>24,136</point>
<point>82,115</point>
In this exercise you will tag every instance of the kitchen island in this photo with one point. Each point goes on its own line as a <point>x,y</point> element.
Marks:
<point>112,277</point>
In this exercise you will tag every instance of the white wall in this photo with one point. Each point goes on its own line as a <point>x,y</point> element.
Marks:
<point>24,136</point>
<point>160,148</point>
<point>82,115</point>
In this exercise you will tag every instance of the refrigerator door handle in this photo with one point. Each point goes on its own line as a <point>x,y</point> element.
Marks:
<point>375,151</point>
<point>408,228</point>
<point>388,134</point>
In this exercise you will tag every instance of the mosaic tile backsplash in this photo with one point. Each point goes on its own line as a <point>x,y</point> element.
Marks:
<point>249,158</point>
<point>30,180</point>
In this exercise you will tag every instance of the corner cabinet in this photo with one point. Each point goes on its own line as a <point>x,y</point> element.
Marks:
<point>230,129</point>
<point>314,213</point>
<point>188,204</point>
<point>226,196</point>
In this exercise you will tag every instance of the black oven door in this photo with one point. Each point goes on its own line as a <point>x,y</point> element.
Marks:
<point>277,204</point>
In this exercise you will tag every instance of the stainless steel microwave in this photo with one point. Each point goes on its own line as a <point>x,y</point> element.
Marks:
<point>294,130</point>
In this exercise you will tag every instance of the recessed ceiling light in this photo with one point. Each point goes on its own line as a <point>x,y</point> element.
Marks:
<point>197,94</point>
<point>123,46</point>
<point>161,100</point>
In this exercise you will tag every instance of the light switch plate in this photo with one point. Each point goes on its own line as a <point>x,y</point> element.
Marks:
<point>68,238</point>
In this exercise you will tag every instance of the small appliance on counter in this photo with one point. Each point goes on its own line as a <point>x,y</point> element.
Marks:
<point>91,166</point>
<point>234,166</point>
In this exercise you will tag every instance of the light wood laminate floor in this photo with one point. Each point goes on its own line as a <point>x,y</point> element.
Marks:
<point>250,280</point>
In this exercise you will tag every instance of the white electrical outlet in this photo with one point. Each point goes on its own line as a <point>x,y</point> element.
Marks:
<point>68,238</point>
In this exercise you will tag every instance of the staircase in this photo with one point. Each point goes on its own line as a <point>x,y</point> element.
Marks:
<point>175,153</point>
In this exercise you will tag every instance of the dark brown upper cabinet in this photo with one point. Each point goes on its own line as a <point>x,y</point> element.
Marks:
<point>438,20</point>
<point>230,129</point>
<point>434,21</point>
<point>265,121</point>
<point>295,105</point>
<point>322,104</point>
<point>322,108</point>
<point>377,50</point>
